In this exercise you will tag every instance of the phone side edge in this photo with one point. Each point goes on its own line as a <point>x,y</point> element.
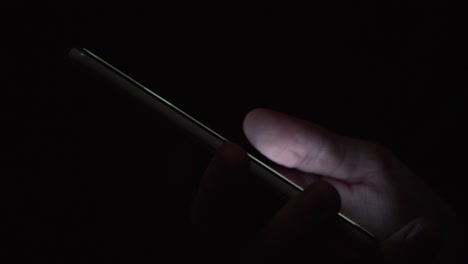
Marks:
<point>284,185</point>
<point>160,107</point>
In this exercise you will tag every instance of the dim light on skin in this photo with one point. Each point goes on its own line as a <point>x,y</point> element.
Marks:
<point>210,138</point>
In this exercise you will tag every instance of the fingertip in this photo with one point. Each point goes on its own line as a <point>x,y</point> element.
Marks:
<point>424,237</point>
<point>251,119</point>
<point>311,212</point>
<point>258,110</point>
<point>317,203</point>
<point>419,241</point>
<point>268,132</point>
<point>232,156</point>
<point>322,195</point>
<point>228,166</point>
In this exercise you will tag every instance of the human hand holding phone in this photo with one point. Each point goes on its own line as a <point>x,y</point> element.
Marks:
<point>330,179</point>
<point>362,179</point>
<point>282,185</point>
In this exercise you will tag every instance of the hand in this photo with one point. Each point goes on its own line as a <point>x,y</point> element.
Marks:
<point>375,189</point>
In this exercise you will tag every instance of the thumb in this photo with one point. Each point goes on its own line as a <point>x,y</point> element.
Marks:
<point>417,242</point>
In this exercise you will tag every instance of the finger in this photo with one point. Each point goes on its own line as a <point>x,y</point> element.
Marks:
<point>298,226</point>
<point>304,213</point>
<point>295,143</point>
<point>230,202</point>
<point>308,224</point>
<point>229,206</point>
<point>419,241</point>
<point>227,169</point>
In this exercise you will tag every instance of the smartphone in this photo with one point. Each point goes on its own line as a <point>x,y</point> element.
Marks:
<point>205,135</point>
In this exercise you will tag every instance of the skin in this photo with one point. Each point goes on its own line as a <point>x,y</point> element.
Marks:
<point>361,179</point>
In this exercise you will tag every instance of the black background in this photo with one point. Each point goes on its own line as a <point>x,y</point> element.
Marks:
<point>88,175</point>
